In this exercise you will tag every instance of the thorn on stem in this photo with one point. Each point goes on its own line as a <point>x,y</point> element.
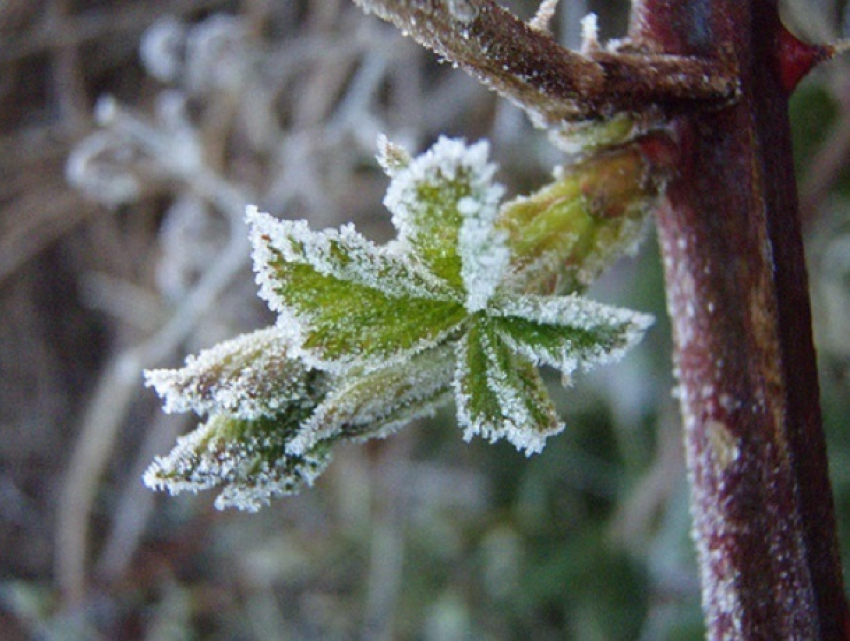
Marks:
<point>589,34</point>
<point>543,17</point>
<point>842,46</point>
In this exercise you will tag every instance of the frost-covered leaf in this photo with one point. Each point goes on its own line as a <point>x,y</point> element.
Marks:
<point>567,331</point>
<point>339,324</point>
<point>247,377</point>
<point>499,393</point>
<point>246,459</point>
<point>375,404</point>
<point>426,198</point>
<point>370,337</point>
<point>483,252</point>
<point>341,253</point>
<point>392,157</point>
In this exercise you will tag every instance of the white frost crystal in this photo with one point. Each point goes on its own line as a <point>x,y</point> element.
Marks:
<point>391,157</point>
<point>589,33</point>
<point>370,337</point>
<point>483,252</point>
<point>244,458</point>
<point>247,377</point>
<point>378,403</point>
<point>496,402</point>
<point>567,331</point>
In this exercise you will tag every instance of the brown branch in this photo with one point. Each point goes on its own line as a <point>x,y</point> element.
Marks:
<point>551,82</point>
<point>737,293</point>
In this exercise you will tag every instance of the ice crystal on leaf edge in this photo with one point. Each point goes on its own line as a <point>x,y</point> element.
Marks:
<point>370,337</point>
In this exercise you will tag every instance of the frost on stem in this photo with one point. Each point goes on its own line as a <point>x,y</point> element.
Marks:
<point>554,85</point>
<point>369,337</point>
<point>544,15</point>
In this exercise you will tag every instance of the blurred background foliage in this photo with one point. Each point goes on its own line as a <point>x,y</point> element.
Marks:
<point>132,134</point>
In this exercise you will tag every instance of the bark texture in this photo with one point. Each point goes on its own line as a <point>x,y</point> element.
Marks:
<point>554,84</point>
<point>738,296</point>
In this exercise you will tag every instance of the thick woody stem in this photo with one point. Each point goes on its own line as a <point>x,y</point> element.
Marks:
<point>552,83</point>
<point>737,293</point>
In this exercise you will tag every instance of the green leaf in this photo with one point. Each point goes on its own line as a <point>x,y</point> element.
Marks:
<point>499,393</point>
<point>567,331</point>
<point>376,404</point>
<point>247,377</point>
<point>343,254</point>
<point>343,326</point>
<point>426,197</point>
<point>246,459</point>
<point>340,324</point>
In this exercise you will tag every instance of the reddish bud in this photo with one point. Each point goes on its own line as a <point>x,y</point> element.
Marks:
<point>660,151</point>
<point>797,58</point>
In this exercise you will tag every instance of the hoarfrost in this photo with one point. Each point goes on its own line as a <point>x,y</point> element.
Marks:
<point>247,377</point>
<point>589,33</point>
<point>246,459</point>
<point>483,251</point>
<point>392,157</point>
<point>568,331</point>
<point>501,396</point>
<point>344,254</point>
<point>378,403</point>
<point>572,310</point>
<point>543,17</point>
